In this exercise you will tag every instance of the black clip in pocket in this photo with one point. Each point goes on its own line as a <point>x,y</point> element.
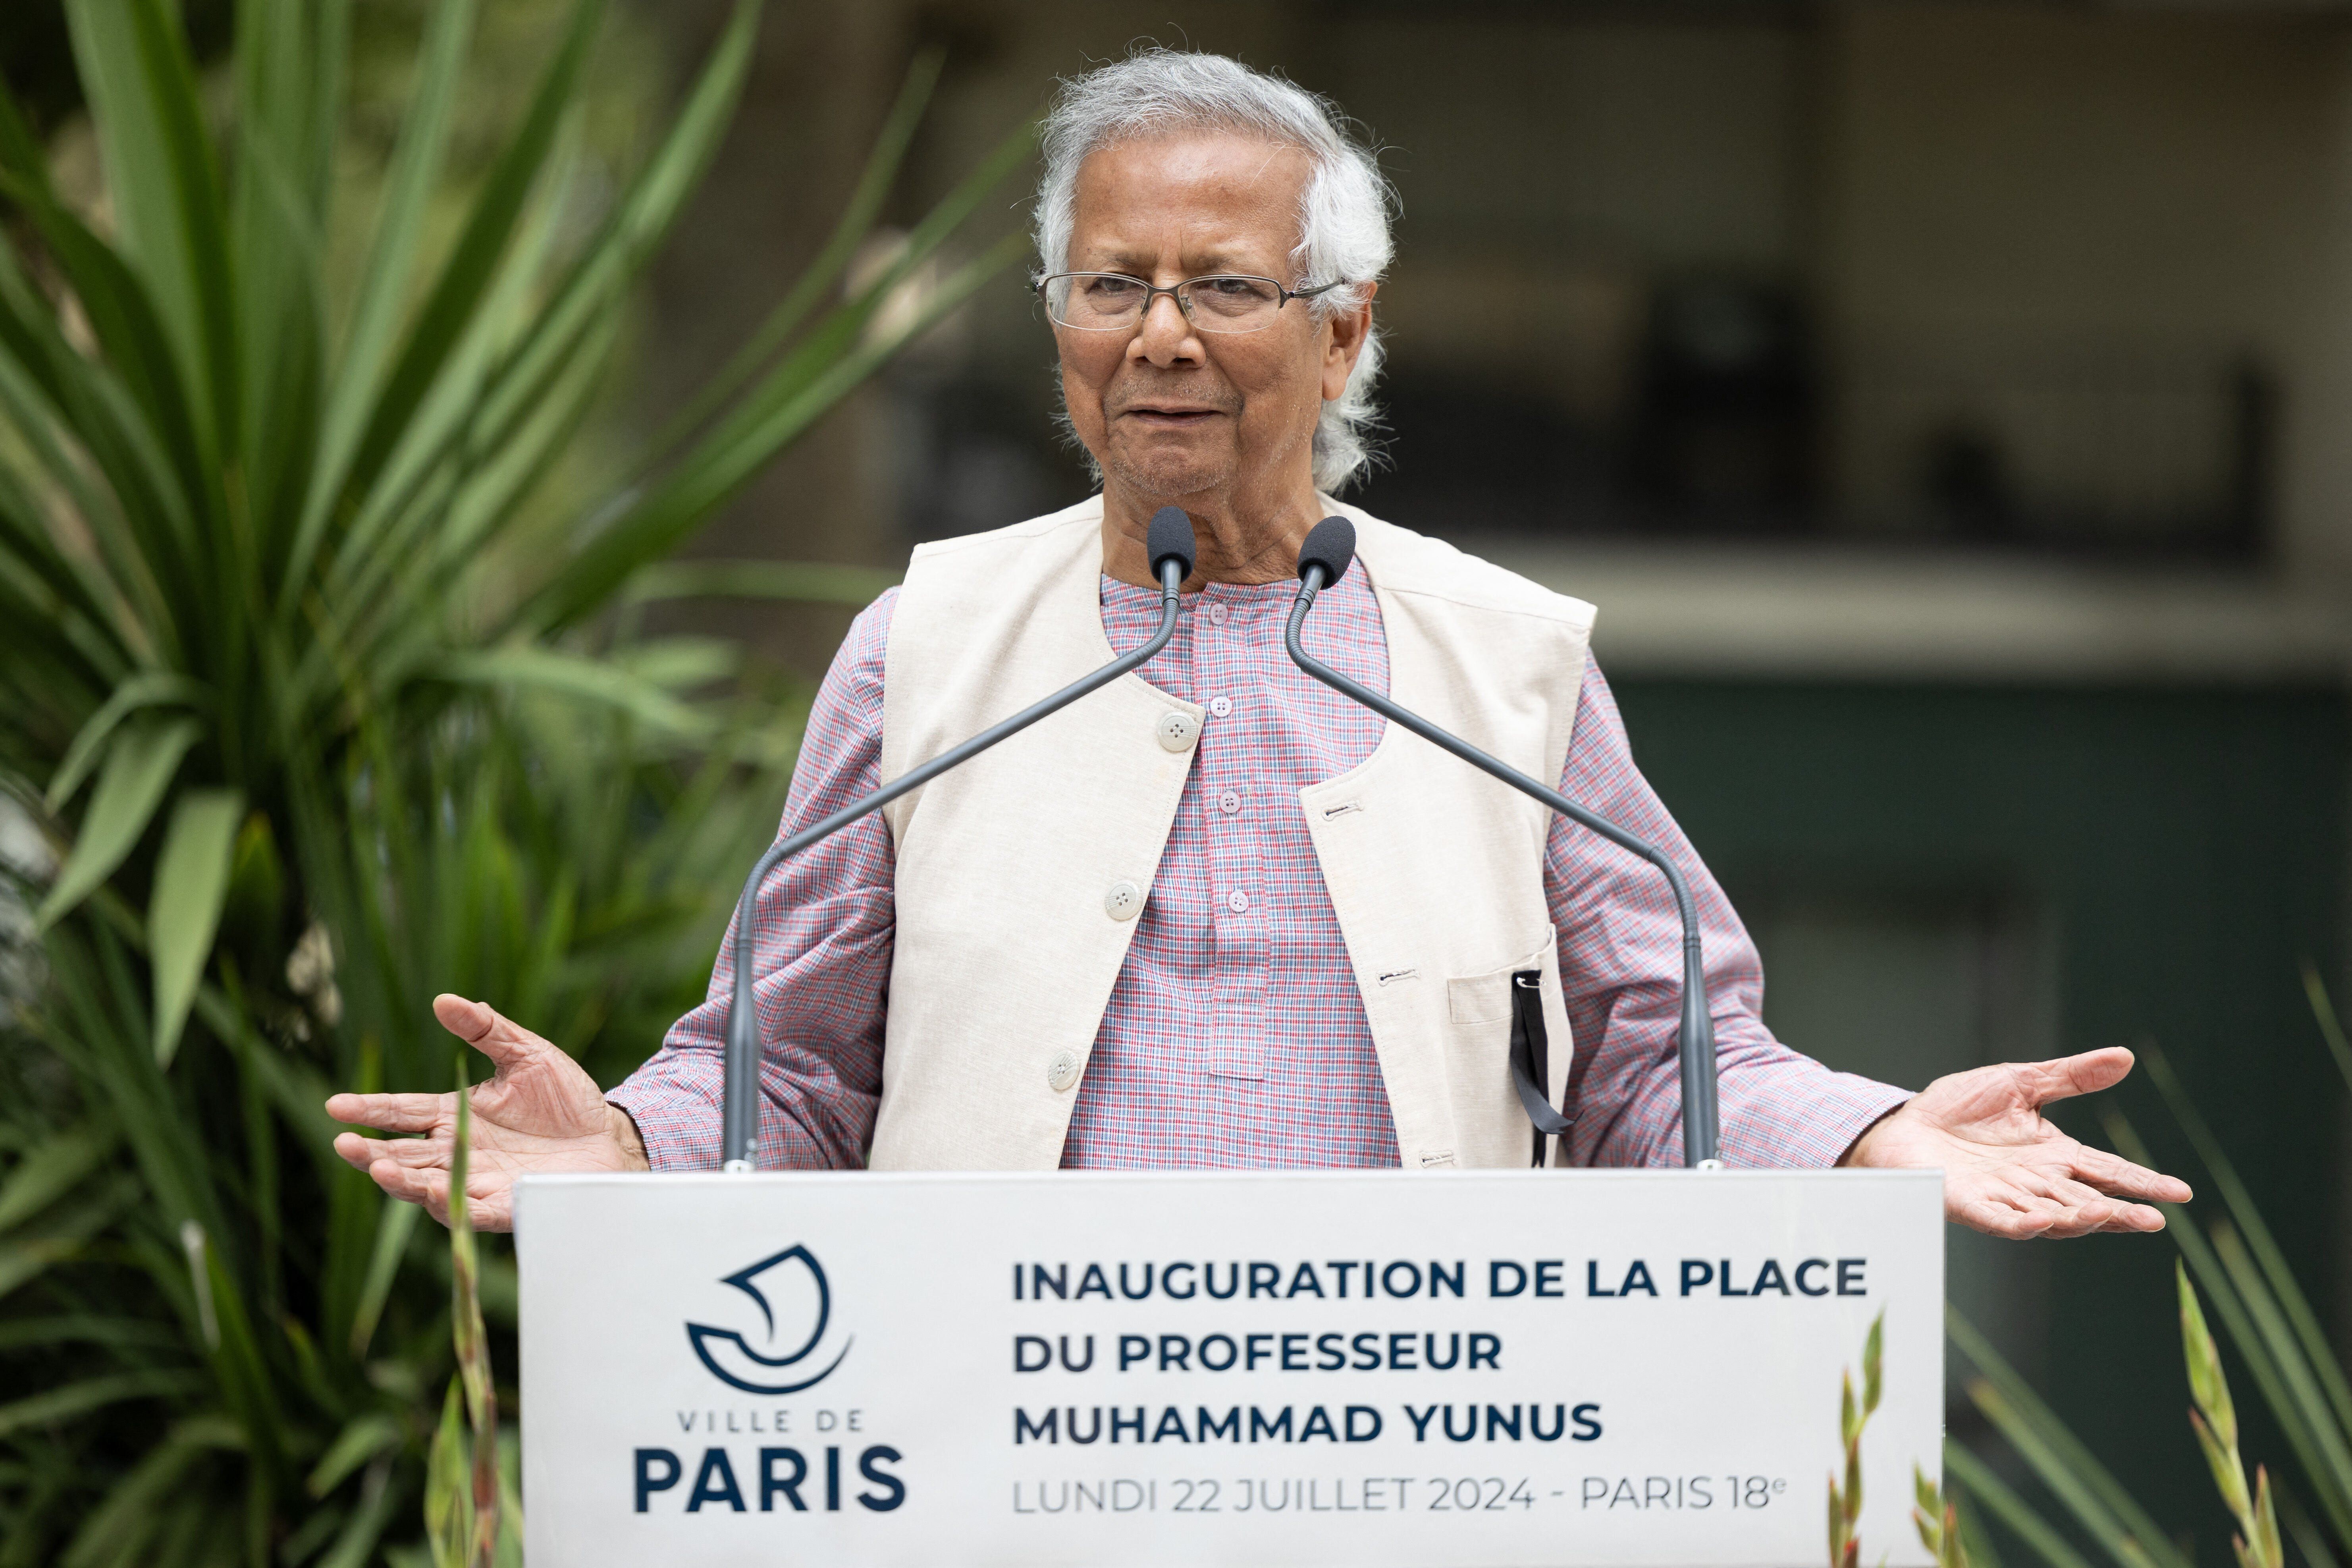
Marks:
<point>1530,1058</point>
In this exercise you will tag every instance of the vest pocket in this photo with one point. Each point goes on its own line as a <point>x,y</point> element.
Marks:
<point>1505,1025</point>
<point>1487,998</point>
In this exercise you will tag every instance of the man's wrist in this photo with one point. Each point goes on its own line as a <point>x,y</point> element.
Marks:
<point>625,1134</point>
<point>1858,1153</point>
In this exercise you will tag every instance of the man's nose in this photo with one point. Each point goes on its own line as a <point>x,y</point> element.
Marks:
<point>1165,336</point>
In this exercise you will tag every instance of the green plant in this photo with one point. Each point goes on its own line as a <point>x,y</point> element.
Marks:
<point>319,677</point>
<point>470,1523</point>
<point>2215,1420</point>
<point>1938,1520</point>
<point>2272,1326</point>
<point>1846,1502</point>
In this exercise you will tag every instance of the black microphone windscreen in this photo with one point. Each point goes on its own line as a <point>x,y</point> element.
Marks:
<point>1330,545</point>
<point>1171,538</point>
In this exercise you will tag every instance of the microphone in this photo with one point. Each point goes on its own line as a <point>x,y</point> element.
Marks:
<point>1323,561</point>
<point>1171,546</point>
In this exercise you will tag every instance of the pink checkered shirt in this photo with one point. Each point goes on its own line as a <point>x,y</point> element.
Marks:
<point>1234,1036</point>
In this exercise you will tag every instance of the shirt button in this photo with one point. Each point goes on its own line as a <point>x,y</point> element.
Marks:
<point>1176,731</point>
<point>1229,802</point>
<point>1238,902</point>
<point>1220,705</point>
<point>1062,1071</point>
<point>1124,902</point>
<point>1217,615</point>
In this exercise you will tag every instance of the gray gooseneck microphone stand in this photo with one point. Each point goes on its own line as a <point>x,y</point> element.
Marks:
<point>1170,546</point>
<point>1322,560</point>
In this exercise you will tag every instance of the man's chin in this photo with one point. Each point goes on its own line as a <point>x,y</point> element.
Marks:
<point>1167,474</point>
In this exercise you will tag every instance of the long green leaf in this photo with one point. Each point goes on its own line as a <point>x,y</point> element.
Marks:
<point>191,881</point>
<point>2331,1029</point>
<point>717,470</point>
<point>2304,1386</point>
<point>857,220</point>
<point>2069,1469</point>
<point>416,165</point>
<point>50,1170</point>
<point>363,1439</point>
<point>449,312</point>
<point>120,1525</point>
<point>415,481</point>
<point>139,769</point>
<point>94,1392</point>
<point>572,675</point>
<point>1977,1478</point>
<point>354,1546</point>
<point>643,217</point>
<point>2313,1354</point>
<point>24,1258</point>
<point>132,413</point>
<point>398,1224</point>
<point>81,1327</point>
<point>2213,1278</point>
<point>167,198</point>
<point>151,688</point>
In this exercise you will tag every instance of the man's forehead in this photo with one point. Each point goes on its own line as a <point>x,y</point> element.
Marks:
<point>1224,197</point>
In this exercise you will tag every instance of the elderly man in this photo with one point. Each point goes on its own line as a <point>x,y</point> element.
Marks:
<point>1206,916</point>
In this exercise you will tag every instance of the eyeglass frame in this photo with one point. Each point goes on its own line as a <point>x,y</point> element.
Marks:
<point>1152,292</point>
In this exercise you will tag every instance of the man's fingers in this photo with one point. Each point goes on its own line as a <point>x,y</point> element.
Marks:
<point>1997,1218</point>
<point>363,1154</point>
<point>391,1112</point>
<point>2066,1077</point>
<point>428,1189</point>
<point>482,1027</point>
<point>2117,1176</point>
<point>358,1153</point>
<point>489,1200</point>
<point>2025,1204</point>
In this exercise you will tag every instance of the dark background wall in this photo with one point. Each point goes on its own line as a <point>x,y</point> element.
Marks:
<point>2157,864</point>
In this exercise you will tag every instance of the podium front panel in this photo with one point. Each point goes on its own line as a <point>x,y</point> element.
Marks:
<point>1542,1367</point>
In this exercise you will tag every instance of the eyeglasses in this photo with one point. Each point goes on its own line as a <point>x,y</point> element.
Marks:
<point>1114,302</point>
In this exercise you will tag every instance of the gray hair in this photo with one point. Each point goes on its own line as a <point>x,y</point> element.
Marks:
<point>1343,214</point>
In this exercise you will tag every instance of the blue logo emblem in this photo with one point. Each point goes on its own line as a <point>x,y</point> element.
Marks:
<point>730,1356</point>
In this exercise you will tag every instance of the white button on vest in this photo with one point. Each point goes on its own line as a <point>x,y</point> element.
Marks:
<point>1124,900</point>
<point>1220,705</point>
<point>1062,1070</point>
<point>1176,731</point>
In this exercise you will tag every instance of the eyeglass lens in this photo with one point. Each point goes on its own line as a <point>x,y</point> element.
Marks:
<point>1105,301</point>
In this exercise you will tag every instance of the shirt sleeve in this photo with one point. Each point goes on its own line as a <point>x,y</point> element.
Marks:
<point>822,928</point>
<point>1621,965</point>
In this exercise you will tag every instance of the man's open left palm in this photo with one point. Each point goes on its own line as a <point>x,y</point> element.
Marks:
<point>2008,1170</point>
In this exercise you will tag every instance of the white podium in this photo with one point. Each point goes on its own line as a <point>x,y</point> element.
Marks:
<point>1542,1367</point>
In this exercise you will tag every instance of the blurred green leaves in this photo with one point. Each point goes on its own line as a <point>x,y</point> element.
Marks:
<point>321,674</point>
<point>2268,1321</point>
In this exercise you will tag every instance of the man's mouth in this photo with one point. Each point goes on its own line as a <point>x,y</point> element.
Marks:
<point>1171,416</point>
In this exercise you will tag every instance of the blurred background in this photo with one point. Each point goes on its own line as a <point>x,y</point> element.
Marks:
<point>1948,406</point>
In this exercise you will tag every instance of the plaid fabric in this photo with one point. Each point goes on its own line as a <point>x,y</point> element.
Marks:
<point>1234,1036</point>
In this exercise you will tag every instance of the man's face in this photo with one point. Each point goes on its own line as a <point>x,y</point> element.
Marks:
<point>1169,410</point>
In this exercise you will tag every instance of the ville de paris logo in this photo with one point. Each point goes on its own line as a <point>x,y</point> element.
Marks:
<point>784,1287</point>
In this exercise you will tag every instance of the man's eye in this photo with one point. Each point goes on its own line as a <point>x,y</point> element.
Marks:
<point>1112,288</point>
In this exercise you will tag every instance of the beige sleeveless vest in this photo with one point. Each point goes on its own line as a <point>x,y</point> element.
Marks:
<point>1008,938</point>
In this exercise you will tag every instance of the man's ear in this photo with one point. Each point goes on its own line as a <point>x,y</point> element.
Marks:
<point>1345,346</point>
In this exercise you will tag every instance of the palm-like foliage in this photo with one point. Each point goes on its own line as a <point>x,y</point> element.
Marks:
<point>307,675</point>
